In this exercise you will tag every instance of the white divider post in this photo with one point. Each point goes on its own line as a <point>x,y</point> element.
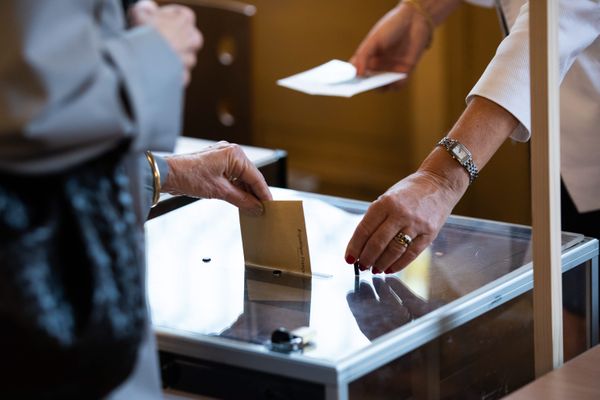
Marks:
<point>545,184</point>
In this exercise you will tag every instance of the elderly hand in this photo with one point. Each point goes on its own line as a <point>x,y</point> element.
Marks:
<point>221,171</point>
<point>176,24</point>
<point>416,206</point>
<point>395,43</point>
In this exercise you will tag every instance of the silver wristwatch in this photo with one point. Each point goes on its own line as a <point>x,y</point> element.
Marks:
<point>461,154</point>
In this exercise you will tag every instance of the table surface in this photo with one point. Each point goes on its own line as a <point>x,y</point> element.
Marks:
<point>576,379</point>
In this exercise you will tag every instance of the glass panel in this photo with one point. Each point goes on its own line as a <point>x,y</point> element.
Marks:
<point>574,286</point>
<point>486,358</point>
<point>483,359</point>
<point>198,282</point>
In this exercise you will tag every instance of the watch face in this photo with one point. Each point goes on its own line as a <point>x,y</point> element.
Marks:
<point>461,154</point>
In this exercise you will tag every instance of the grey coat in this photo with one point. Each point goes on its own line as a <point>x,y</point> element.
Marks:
<point>73,83</point>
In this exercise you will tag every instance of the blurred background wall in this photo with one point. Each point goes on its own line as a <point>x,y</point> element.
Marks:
<point>358,147</point>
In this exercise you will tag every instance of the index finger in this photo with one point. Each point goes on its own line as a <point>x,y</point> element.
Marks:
<point>362,55</point>
<point>365,229</point>
<point>255,181</point>
<point>359,60</point>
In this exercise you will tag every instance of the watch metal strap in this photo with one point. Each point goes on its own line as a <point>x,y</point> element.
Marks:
<point>468,164</point>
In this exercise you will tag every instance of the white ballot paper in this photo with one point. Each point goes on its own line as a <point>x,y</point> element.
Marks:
<point>337,78</point>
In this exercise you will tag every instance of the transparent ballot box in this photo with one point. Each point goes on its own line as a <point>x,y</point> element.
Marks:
<point>456,323</point>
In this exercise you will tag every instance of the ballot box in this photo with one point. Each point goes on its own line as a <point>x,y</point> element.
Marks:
<point>456,323</point>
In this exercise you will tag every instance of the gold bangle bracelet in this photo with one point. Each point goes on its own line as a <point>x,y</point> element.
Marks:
<point>421,10</point>
<point>155,177</point>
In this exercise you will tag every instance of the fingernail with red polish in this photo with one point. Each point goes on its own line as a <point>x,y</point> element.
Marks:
<point>388,271</point>
<point>375,271</point>
<point>350,259</point>
<point>362,267</point>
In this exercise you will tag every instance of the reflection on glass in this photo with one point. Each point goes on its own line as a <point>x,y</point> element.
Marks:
<point>272,300</point>
<point>385,305</point>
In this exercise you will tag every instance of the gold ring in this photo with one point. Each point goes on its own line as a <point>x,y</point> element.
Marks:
<point>403,239</point>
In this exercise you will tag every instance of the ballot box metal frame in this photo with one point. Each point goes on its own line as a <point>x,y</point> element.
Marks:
<point>333,379</point>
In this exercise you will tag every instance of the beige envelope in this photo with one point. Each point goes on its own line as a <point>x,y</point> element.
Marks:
<point>277,239</point>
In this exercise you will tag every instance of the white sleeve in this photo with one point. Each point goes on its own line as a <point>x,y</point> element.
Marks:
<point>506,79</point>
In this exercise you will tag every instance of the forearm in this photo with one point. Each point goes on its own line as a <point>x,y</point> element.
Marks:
<point>482,128</point>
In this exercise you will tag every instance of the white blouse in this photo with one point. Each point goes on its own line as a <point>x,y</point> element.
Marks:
<point>506,82</point>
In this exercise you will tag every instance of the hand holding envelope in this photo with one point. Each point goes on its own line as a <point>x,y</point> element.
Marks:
<point>337,78</point>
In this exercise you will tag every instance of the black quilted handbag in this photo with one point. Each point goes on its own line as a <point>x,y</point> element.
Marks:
<point>72,308</point>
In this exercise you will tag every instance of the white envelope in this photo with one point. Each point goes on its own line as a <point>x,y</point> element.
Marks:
<point>337,78</point>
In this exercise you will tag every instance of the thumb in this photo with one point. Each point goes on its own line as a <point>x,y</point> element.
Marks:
<point>362,56</point>
<point>359,60</point>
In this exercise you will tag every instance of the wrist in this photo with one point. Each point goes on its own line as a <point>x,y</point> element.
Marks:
<point>170,183</point>
<point>438,10</point>
<point>420,15</point>
<point>449,175</point>
<point>420,8</point>
<point>462,155</point>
